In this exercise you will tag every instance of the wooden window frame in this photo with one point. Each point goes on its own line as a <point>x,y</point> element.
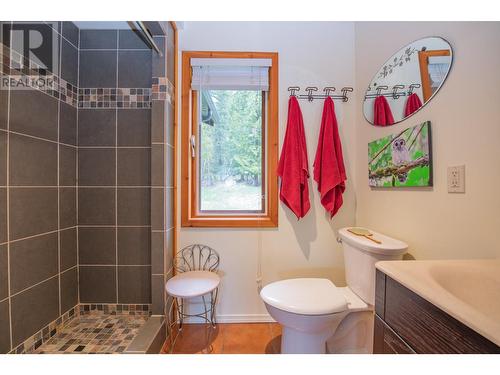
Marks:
<point>190,216</point>
<point>423,59</point>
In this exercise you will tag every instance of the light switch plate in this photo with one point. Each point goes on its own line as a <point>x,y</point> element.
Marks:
<point>456,179</point>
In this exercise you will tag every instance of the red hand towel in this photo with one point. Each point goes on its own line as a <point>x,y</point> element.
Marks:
<point>329,170</point>
<point>412,104</point>
<point>293,165</point>
<point>382,114</point>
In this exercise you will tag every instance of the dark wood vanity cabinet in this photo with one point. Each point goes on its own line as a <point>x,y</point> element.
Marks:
<point>406,323</point>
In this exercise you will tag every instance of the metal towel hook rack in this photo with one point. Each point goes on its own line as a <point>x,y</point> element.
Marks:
<point>310,90</point>
<point>412,87</point>
<point>328,90</point>
<point>380,88</point>
<point>395,93</point>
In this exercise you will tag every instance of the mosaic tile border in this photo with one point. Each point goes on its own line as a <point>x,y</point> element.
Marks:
<point>115,309</point>
<point>114,98</point>
<point>21,73</point>
<point>33,342</point>
<point>162,89</point>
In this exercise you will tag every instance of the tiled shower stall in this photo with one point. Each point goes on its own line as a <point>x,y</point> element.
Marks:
<point>86,187</point>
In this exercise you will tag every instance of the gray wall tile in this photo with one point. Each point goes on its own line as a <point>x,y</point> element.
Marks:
<point>158,121</point>
<point>96,127</point>
<point>134,167</point>
<point>67,207</point>
<point>97,68</point>
<point>134,246</point>
<point>69,63</point>
<point>159,61</point>
<point>33,162</point>
<point>69,289</point>
<point>97,284</point>
<point>157,246</point>
<point>4,286</point>
<point>157,294</point>
<point>70,31</point>
<point>96,206</point>
<point>98,39</point>
<point>33,112</point>
<point>169,208</point>
<point>4,327</point>
<point>130,39</point>
<point>134,206</point>
<point>157,209</point>
<point>32,260</point>
<point>157,165</point>
<point>134,127</point>
<point>134,284</point>
<point>4,101</point>
<point>32,211</point>
<point>96,167</point>
<point>3,215</point>
<point>33,309</point>
<point>97,245</point>
<point>169,169</point>
<point>67,166</point>
<point>67,124</point>
<point>3,158</point>
<point>134,69</point>
<point>169,250</point>
<point>68,248</point>
<point>170,52</point>
<point>170,124</point>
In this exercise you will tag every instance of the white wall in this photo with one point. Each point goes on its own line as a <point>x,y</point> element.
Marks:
<point>465,118</point>
<point>317,54</point>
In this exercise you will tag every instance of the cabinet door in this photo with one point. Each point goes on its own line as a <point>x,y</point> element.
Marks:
<point>386,341</point>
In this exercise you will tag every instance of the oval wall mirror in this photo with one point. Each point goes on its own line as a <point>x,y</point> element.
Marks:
<point>407,81</point>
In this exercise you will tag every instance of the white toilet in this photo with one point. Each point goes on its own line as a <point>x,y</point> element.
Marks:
<point>313,310</point>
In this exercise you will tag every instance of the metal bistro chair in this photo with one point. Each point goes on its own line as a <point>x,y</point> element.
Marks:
<point>196,269</point>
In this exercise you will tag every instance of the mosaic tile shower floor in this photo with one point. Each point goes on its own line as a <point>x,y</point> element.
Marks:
<point>94,333</point>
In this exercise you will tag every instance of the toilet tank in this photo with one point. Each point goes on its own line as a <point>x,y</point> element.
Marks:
<point>360,256</point>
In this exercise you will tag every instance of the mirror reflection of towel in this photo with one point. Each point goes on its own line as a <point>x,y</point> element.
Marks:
<point>382,114</point>
<point>293,165</point>
<point>412,104</point>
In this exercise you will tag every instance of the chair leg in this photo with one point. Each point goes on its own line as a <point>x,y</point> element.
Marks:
<point>213,301</point>
<point>180,311</point>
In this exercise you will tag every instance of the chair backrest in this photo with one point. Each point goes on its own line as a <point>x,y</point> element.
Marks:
<point>196,258</point>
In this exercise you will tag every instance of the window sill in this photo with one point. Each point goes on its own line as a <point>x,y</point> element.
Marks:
<point>230,222</point>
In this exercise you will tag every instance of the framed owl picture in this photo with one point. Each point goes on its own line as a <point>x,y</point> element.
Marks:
<point>403,159</point>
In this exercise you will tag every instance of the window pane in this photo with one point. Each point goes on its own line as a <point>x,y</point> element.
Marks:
<point>230,144</point>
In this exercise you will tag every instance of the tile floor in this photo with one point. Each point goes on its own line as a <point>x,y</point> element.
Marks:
<point>94,333</point>
<point>248,338</point>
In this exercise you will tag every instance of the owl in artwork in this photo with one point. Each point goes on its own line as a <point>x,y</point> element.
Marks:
<point>400,156</point>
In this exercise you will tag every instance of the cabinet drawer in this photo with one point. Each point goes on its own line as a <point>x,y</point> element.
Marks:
<point>386,341</point>
<point>426,328</point>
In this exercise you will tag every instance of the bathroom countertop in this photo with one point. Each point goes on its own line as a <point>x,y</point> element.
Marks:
<point>468,290</point>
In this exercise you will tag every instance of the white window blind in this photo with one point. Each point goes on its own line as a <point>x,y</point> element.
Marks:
<point>230,74</point>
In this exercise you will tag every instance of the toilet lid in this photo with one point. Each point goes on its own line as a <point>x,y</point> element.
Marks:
<point>312,296</point>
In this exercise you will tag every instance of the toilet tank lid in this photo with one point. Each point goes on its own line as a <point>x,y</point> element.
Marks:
<point>305,296</point>
<point>388,245</point>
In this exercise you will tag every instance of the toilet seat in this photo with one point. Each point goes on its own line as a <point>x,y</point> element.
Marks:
<point>305,296</point>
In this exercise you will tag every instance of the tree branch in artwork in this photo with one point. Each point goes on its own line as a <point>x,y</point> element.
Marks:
<point>395,170</point>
